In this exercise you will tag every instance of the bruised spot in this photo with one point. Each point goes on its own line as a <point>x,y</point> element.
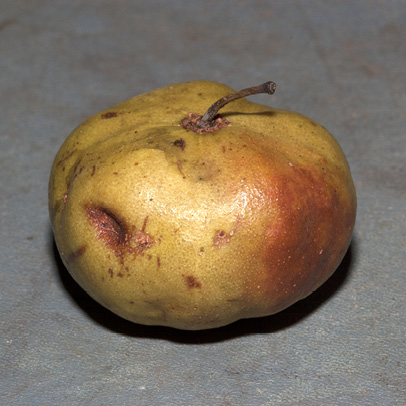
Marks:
<point>180,143</point>
<point>109,228</point>
<point>192,282</point>
<point>142,239</point>
<point>109,114</point>
<point>115,234</point>
<point>73,256</point>
<point>223,238</point>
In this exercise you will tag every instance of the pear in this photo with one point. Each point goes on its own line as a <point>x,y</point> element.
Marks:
<point>170,217</point>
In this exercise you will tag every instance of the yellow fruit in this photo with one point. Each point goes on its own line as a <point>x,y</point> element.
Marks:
<point>165,226</point>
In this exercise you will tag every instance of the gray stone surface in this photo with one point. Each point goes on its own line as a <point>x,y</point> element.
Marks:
<point>341,63</point>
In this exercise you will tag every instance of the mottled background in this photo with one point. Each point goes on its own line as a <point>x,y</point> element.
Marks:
<point>343,63</point>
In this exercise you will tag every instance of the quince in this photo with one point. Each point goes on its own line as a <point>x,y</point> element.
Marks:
<point>169,218</point>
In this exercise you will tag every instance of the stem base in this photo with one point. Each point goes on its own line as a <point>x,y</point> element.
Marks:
<point>195,123</point>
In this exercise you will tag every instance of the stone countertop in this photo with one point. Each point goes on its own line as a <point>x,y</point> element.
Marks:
<point>340,63</point>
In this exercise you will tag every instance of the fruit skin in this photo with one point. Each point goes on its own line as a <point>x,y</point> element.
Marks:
<point>167,227</point>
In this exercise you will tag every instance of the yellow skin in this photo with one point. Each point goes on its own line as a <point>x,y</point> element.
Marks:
<point>164,226</point>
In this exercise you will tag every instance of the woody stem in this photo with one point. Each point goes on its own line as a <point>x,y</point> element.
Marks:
<point>267,87</point>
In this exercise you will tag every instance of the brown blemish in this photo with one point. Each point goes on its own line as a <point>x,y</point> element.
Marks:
<point>110,272</point>
<point>192,282</point>
<point>73,256</point>
<point>144,224</point>
<point>109,114</point>
<point>158,261</point>
<point>223,238</point>
<point>179,164</point>
<point>142,239</point>
<point>67,155</point>
<point>77,169</point>
<point>180,143</point>
<point>93,170</point>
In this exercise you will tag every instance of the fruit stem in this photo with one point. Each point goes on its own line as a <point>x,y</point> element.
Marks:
<point>267,87</point>
<point>209,122</point>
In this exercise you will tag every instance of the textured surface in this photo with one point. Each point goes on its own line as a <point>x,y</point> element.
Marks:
<point>341,63</point>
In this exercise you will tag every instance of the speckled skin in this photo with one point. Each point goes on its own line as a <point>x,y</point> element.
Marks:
<point>167,227</point>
